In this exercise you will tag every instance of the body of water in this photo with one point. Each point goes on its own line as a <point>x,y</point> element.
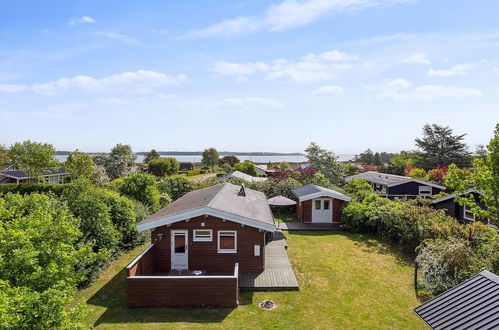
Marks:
<point>255,159</point>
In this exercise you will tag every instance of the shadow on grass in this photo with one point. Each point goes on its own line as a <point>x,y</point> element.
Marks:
<point>113,297</point>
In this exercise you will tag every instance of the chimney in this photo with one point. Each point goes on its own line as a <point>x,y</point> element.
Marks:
<point>242,191</point>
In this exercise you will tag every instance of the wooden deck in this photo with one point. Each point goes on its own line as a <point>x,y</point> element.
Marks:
<point>309,226</point>
<point>278,273</point>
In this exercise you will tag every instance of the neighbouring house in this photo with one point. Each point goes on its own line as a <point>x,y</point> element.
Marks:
<point>473,304</point>
<point>394,186</point>
<point>186,166</point>
<point>262,169</point>
<point>316,204</point>
<point>54,176</point>
<point>242,176</point>
<point>461,212</point>
<point>199,245</point>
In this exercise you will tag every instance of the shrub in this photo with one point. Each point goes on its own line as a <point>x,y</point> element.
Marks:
<point>246,167</point>
<point>175,186</point>
<point>438,174</point>
<point>193,172</point>
<point>417,173</point>
<point>163,166</point>
<point>141,187</point>
<point>24,188</point>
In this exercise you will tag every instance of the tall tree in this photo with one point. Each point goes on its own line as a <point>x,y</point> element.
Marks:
<point>324,161</point>
<point>125,152</point>
<point>231,160</point>
<point>484,178</point>
<point>79,165</point>
<point>3,156</point>
<point>439,147</point>
<point>210,158</point>
<point>32,158</point>
<point>120,161</point>
<point>153,154</point>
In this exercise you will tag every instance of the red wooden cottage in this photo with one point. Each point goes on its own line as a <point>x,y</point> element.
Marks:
<point>199,243</point>
<point>316,204</point>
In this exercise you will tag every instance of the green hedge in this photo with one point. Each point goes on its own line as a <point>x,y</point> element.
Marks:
<point>193,172</point>
<point>25,188</point>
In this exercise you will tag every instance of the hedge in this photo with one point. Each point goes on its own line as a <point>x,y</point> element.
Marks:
<point>28,188</point>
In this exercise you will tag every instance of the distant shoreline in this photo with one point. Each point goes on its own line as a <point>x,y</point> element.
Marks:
<point>199,153</point>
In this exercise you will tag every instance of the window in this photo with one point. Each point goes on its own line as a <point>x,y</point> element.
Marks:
<point>256,250</point>
<point>326,205</point>
<point>179,242</point>
<point>317,205</point>
<point>424,190</point>
<point>53,179</point>
<point>227,241</point>
<point>468,214</point>
<point>203,235</point>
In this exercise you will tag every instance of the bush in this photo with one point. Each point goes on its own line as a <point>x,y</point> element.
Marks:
<point>141,187</point>
<point>163,166</point>
<point>193,172</point>
<point>175,186</point>
<point>25,188</point>
<point>246,167</point>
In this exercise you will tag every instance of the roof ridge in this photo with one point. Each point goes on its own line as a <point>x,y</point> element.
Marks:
<point>212,201</point>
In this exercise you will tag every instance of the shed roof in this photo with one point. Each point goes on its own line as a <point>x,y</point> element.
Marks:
<point>389,180</point>
<point>310,191</point>
<point>17,174</point>
<point>473,304</point>
<point>223,201</point>
<point>453,195</point>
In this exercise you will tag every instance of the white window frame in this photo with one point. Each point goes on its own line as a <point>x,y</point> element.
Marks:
<point>234,232</point>
<point>465,209</point>
<point>315,204</point>
<point>426,193</point>
<point>202,239</point>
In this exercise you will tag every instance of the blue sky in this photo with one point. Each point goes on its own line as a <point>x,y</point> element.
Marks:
<point>247,75</point>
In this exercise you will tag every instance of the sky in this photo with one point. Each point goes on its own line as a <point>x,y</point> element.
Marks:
<point>247,75</point>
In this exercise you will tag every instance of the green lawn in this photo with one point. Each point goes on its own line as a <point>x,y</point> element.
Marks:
<point>346,282</point>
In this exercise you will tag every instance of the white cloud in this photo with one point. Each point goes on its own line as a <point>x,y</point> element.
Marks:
<point>309,68</point>
<point>120,37</point>
<point>227,29</point>
<point>242,79</point>
<point>224,68</point>
<point>248,102</point>
<point>456,70</point>
<point>82,20</point>
<point>285,15</point>
<point>417,58</point>
<point>111,101</point>
<point>397,84</point>
<point>431,92</point>
<point>328,90</point>
<point>141,81</point>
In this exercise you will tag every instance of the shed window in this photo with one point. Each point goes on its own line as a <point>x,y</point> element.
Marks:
<point>227,241</point>
<point>468,214</point>
<point>424,190</point>
<point>203,235</point>
<point>326,205</point>
<point>318,205</point>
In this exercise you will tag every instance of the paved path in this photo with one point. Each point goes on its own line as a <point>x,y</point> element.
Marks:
<point>308,226</point>
<point>278,273</point>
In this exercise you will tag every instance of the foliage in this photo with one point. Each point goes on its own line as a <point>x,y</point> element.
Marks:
<point>282,166</point>
<point>4,157</point>
<point>439,147</point>
<point>55,189</point>
<point>141,187</point>
<point>368,168</point>
<point>153,154</point>
<point>79,165</point>
<point>99,175</point>
<point>417,173</point>
<point>32,158</point>
<point>350,169</point>
<point>246,167</point>
<point>119,162</point>
<point>230,160</point>
<point>368,157</point>
<point>325,162</point>
<point>125,152</point>
<point>438,174</point>
<point>42,259</point>
<point>359,188</point>
<point>163,166</point>
<point>175,186</point>
<point>484,179</point>
<point>400,161</point>
<point>210,158</point>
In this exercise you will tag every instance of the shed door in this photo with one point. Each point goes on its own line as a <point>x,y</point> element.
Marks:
<point>322,210</point>
<point>179,249</point>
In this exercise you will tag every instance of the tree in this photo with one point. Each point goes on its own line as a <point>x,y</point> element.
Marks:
<point>246,167</point>
<point>324,161</point>
<point>231,160</point>
<point>79,165</point>
<point>399,162</point>
<point>163,166</point>
<point>439,147</point>
<point>125,152</point>
<point>99,175</point>
<point>32,158</point>
<point>484,179</point>
<point>481,151</point>
<point>282,166</point>
<point>3,156</point>
<point>417,173</point>
<point>153,154</point>
<point>210,158</point>
<point>365,157</point>
<point>176,186</point>
<point>141,187</point>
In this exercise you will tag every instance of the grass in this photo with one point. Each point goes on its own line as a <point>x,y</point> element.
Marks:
<point>346,281</point>
<point>284,217</point>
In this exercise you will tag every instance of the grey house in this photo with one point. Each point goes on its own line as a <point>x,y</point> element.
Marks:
<point>460,212</point>
<point>54,176</point>
<point>393,186</point>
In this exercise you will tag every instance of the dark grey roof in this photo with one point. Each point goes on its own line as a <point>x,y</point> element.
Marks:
<point>314,190</point>
<point>452,196</point>
<point>473,304</point>
<point>223,198</point>
<point>17,174</point>
<point>389,180</point>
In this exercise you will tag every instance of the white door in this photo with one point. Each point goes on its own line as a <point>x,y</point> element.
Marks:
<point>179,248</point>
<point>322,210</point>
